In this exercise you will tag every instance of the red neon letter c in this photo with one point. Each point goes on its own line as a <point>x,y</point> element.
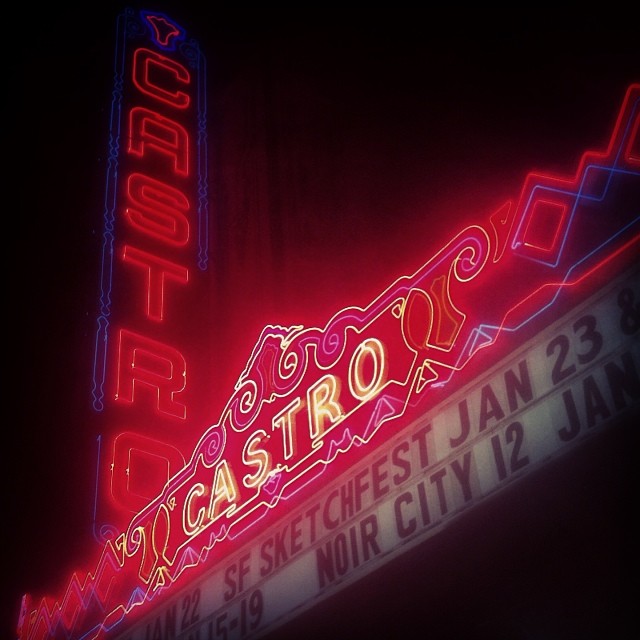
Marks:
<point>149,67</point>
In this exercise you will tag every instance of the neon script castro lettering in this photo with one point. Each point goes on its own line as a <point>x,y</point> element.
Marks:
<point>230,479</point>
<point>155,222</point>
<point>153,231</point>
<point>310,399</point>
<point>156,211</point>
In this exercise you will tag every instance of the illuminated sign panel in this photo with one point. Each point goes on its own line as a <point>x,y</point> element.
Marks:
<point>154,263</point>
<point>341,444</point>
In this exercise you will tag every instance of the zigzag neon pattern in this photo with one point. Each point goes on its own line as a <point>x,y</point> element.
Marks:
<point>330,391</point>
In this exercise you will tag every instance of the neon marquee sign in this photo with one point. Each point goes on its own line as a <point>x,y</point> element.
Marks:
<point>310,401</point>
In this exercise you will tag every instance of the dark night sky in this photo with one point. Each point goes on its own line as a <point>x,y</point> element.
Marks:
<point>404,125</point>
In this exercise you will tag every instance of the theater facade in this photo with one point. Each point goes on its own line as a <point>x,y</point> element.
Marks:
<point>453,459</point>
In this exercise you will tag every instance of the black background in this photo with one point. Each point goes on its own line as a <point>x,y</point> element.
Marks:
<point>402,124</point>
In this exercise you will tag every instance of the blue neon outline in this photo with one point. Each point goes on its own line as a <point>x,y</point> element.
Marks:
<point>128,25</point>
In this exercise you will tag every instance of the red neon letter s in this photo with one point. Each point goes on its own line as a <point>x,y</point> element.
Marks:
<point>157,272</point>
<point>143,362</point>
<point>151,64</point>
<point>157,209</point>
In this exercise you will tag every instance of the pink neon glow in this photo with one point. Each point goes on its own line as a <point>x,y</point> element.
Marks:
<point>325,392</point>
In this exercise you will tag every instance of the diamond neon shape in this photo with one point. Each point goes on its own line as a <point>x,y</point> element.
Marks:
<point>545,225</point>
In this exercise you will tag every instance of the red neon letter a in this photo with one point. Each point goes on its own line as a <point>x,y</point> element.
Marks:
<point>146,363</point>
<point>150,130</point>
